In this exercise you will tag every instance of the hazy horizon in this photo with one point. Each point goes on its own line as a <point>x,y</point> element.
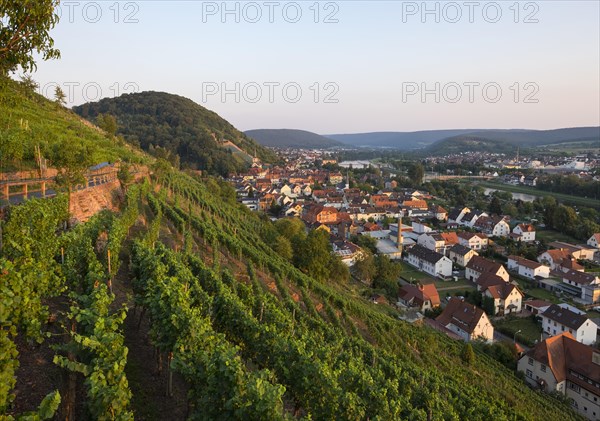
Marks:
<point>342,67</point>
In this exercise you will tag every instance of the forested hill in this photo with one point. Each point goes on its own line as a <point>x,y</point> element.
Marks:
<point>179,126</point>
<point>288,138</point>
<point>507,141</point>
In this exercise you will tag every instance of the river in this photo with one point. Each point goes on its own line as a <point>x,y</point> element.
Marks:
<point>516,196</point>
<point>355,164</point>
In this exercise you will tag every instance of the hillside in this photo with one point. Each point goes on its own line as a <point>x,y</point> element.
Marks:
<point>179,306</point>
<point>396,140</point>
<point>180,126</point>
<point>28,120</point>
<point>507,141</point>
<point>451,141</point>
<point>287,138</point>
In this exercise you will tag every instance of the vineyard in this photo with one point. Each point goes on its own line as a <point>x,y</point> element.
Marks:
<point>249,335</point>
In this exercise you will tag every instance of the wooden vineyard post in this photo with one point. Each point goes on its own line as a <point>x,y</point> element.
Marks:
<point>109,273</point>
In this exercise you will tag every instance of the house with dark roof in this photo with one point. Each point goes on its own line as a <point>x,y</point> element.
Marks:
<point>424,297</point>
<point>466,320</point>
<point>581,284</point>
<point>471,218</point>
<point>488,279</point>
<point>562,364</point>
<point>431,262</point>
<point>461,255</point>
<point>457,214</point>
<point>492,225</point>
<point>557,320</point>
<point>479,265</point>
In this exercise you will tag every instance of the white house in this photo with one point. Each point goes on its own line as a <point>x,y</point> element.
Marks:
<point>419,227</point>
<point>507,298</point>
<point>429,261</point>
<point>557,320</point>
<point>492,225</point>
<point>466,320</point>
<point>527,268</point>
<point>594,240</point>
<point>432,241</point>
<point>524,232</point>
<point>561,364</point>
<point>475,241</point>
<point>584,285</point>
<point>554,258</point>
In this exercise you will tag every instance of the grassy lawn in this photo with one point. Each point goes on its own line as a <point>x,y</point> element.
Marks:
<point>551,235</point>
<point>542,294</point>
<point>530,330</point>
<point>410,273</point>
<point>566,198</point>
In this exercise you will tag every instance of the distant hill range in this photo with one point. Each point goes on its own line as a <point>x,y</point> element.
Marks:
<point>449,141</point>
<point>163,123</point>
<point>289,138</point>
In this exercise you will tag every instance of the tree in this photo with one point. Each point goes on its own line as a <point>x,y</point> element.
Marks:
<point>416,173</point>
<point>283,246</point>
<point>495,206</point>
<point>549,205</point>
<point>72,161</point>
<point>565,219</point>
<point>510,209</point>
<point>314,255</point>
<point>108,123</point>
<point>364,268</point>
<point>59,96</point>
<point>387,275</point>
<point>468,355</point>
<point>29,83</point>
<point>124,176</point>
<point>24,28</point>
<point>365,242</point>
<point>488,305</point>
<point>338,271</point>
<point>291,228</point>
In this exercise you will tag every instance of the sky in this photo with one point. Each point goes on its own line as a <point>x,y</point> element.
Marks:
<point>340,66</point>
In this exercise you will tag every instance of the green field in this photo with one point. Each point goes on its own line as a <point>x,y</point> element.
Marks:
<point>573,200</point>
<point>530,330</point>
<point>550,235</point>
<point>410,273</point>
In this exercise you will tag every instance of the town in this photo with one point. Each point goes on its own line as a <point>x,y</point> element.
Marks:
<point>490,267</point>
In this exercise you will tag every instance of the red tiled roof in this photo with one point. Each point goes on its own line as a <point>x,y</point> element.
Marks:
<point>420,294</point>
<point>562,353</point>
<point>450,238</point>
<point>527,228</point>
